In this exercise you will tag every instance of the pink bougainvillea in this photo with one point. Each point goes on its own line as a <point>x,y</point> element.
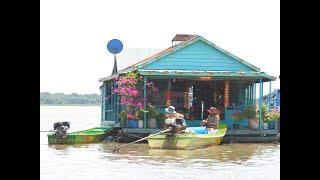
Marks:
<point>128,87</point>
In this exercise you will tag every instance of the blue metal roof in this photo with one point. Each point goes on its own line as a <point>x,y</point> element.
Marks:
<point>196,57</point>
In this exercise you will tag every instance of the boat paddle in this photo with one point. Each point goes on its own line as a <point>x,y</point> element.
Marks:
<point>116,149</point>
<point>47,131</point>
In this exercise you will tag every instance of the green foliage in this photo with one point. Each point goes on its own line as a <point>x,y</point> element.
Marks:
<point>74,98</point>
<point>153,113</point>
<point>248,113</point>
<point>238,116</point>
<point>141,114</point>
<point>123,117</point>
<point>269,116</point>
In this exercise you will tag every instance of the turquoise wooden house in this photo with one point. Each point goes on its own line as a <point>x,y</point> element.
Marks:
<point>192,75</point>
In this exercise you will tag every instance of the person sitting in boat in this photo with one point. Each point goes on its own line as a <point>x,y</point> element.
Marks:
<point>213,119</point>
<point>174,119</point>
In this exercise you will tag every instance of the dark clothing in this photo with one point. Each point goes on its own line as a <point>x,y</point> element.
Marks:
<point>212,121</point>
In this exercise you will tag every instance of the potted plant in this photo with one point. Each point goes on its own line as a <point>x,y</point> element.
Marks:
<point>152,115</point>
<point>140,118</point>
<point>269,118</point>
<point>123,117</point>
<point>251,114</point>
<point>273,117</point>
<point>237,116</point>
<point>127,88</point>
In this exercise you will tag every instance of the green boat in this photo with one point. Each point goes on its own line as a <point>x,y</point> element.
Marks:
<point>93,135</point>
<point>186,141</point>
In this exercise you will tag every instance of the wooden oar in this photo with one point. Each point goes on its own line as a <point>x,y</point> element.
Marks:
<point>116,149</point>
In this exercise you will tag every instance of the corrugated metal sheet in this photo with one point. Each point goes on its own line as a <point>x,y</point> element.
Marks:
<point>198,56</point>
<point>131,56</point>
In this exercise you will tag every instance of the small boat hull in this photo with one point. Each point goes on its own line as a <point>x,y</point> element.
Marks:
<point>186,141</point>
<point>93,135</point>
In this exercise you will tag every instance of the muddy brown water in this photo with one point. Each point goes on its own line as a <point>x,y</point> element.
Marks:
<point>97,161</point>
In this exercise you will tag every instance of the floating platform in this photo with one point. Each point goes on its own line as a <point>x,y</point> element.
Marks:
<point>232,135</point>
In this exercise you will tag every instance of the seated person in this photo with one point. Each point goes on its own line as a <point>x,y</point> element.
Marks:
<point>179,121</point>
<point>213,119</point>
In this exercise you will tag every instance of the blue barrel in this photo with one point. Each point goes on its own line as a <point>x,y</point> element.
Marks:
<point>199,130</point>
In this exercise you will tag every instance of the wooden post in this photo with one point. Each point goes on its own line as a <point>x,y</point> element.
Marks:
<point>226,94</point>
<point>269,102</point>
<point>260,104</point>
<point>103,100</point>
<point>245,97</point>
<point>250,95</point>
<point>145,101</point>
<point>116,102</point>
<point>168,94</point>
<point>239,91</point>
<point>255,96</point>
<point>112,101</point>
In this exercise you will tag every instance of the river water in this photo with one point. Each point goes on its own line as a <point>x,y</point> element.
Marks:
<point>96,161</point>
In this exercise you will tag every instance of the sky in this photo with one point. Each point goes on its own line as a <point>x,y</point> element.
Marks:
<point>74,35</point>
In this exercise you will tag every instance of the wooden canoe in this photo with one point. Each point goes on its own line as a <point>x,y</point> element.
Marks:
<point>186,141</point>
<point>93,135</point>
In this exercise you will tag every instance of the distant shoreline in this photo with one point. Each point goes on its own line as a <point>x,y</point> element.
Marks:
<point>69,104</point>
<point>74,99</point>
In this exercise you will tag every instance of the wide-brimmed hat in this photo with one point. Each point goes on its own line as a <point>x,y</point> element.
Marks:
<point>213,110</point>
<point>170,109</point>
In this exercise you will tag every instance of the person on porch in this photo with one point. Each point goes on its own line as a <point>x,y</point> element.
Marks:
<point>212,120</point>
<point>177,118</point>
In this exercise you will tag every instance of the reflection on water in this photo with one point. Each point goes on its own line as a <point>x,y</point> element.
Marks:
<point>137,161</point>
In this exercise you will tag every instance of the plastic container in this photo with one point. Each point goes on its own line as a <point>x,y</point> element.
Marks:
<point>152,123</point>
<point>199,130</point>
<point>140,123</point>
<point>133,123</point>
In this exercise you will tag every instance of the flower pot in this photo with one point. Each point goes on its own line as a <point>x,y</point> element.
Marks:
<point>236,126</point>
<point>253,123</point>
<point>140,123</point>
<point>152,123</point>
<point>272,125</point>
<point>133,123</point>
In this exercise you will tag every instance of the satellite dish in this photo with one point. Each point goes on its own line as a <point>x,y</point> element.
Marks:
<point>115,46</point>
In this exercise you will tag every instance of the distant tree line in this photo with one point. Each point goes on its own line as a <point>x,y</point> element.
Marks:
<point>74,98</point>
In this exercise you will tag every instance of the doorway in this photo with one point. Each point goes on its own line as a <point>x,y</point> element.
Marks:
<point>210,93</point>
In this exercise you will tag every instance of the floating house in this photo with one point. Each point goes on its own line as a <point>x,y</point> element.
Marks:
<point>192,75</point>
